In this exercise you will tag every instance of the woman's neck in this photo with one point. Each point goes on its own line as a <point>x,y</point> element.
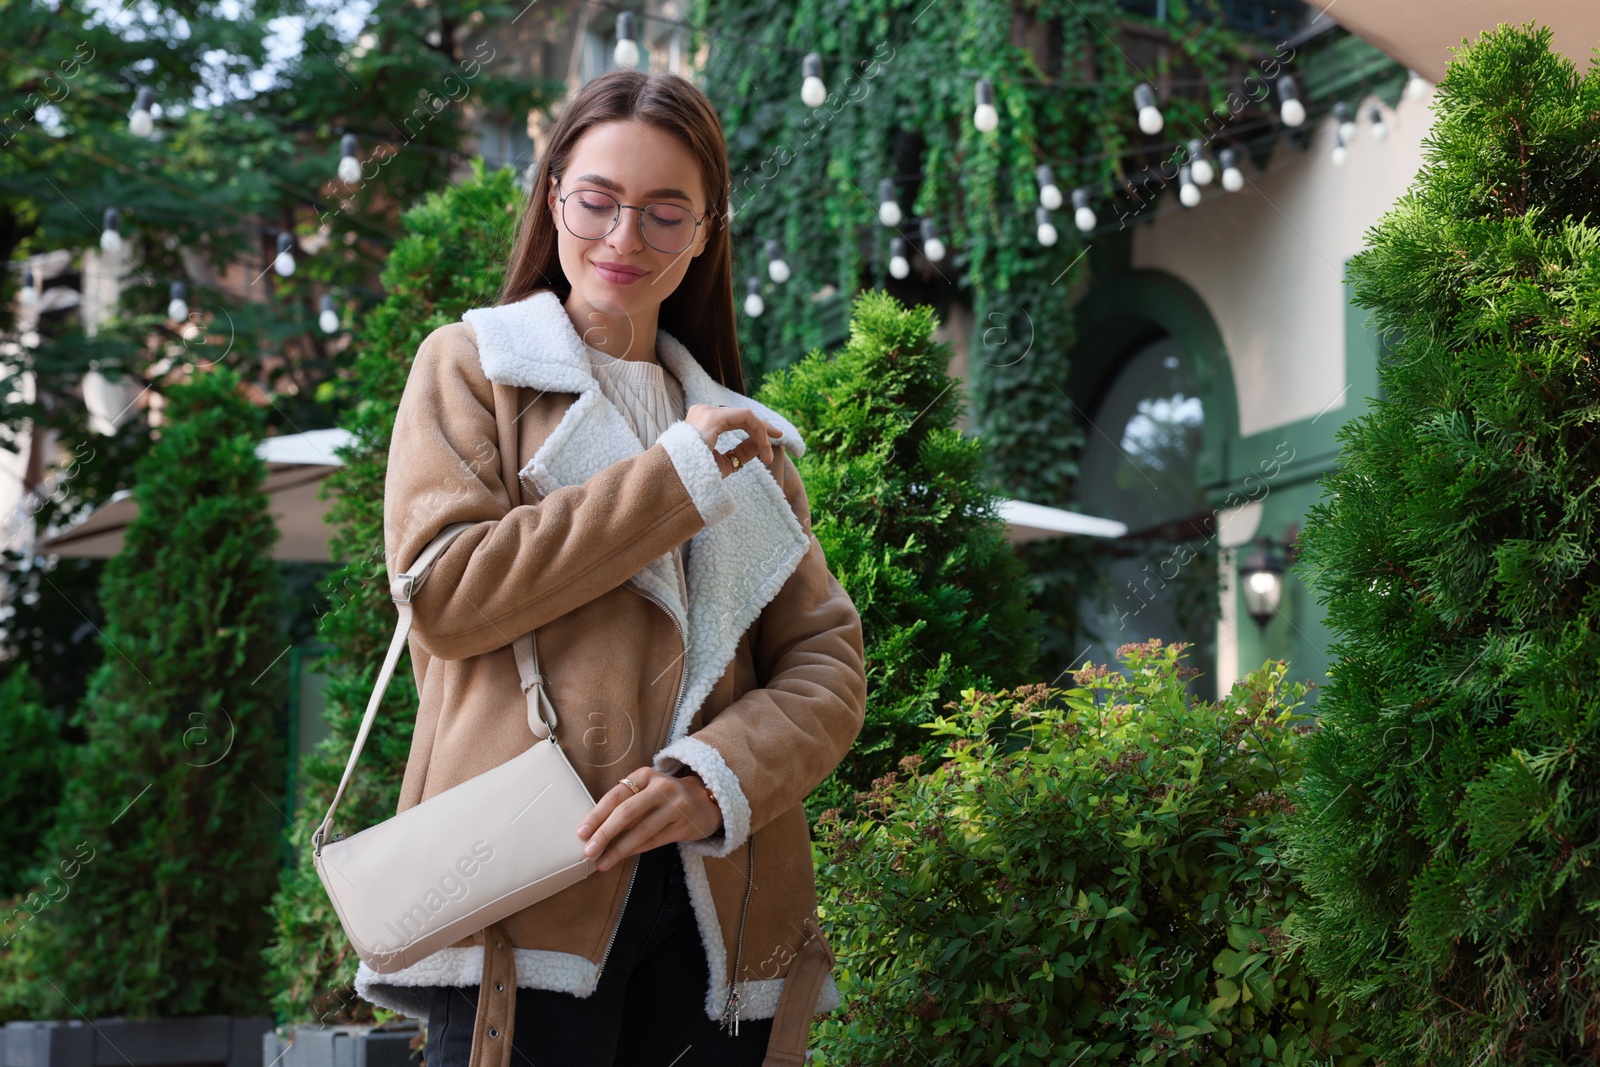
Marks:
<point>609,329</point>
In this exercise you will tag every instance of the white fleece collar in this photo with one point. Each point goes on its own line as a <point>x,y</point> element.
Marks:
<point>533,343</point>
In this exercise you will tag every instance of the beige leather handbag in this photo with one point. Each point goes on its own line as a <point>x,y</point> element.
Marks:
<point>470,856</point>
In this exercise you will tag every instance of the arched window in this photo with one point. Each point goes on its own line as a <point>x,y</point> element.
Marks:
<point>1139,465</point>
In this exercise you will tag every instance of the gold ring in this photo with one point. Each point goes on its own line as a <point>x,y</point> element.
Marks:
<point>629,783</point>
<point>737,462</point>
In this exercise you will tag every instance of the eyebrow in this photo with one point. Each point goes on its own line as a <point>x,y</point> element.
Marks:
<point>616,187</point>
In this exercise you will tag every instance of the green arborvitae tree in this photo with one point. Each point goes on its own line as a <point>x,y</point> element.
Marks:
<point>166,833</point>
<point>450,259</point>
<point>1450,826</point>
<point>908,524</point>
<point>30,777</point>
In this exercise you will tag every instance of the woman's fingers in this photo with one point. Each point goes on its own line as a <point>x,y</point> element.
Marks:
<point>623,823</point>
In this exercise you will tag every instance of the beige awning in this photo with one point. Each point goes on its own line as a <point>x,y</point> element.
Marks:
<point>1420,33</point>
<point>298,463</point>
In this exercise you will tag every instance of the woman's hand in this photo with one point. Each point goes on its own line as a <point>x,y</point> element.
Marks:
<point>713,421</point>
<point>665,809</point>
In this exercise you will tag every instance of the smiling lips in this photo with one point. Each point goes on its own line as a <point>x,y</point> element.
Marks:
<point>618,272</point>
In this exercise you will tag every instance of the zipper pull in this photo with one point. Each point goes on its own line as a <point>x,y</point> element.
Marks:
<point>730,1011</point>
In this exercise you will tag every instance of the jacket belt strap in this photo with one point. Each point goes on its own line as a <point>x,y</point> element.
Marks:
<point>791,1025</point>
<point>497,1001</point>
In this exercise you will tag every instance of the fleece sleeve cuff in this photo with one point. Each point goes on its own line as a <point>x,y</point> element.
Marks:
<point>697,469</point>
<point>708,763</point>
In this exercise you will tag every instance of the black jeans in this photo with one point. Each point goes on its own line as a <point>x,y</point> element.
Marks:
<point>648,1010</point>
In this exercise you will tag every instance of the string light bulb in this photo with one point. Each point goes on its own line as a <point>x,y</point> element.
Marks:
<point>777,269</point>
<point>1292,111</point>
<point>1200,167</point>
<point>110,235</point>
<point>1347,122</point>
<point>139,121</point>
<point>753,304</point>
<point>1232,178</point>
<point>899,266</point>
<point>1083,214</point>
<point>1047,230</point>
<point>349,165</point>
<point>1150,120</point>
<point>177,306</point>
<point>1049,191</point>
<point>888,210</point>
<point>1380,129</point>
<point>984,115</point>
<point>932,247</point>
<point>30,289</point>
<point>1416,86</point>
<point>283,263</point>
<point>1188,191</point>
<point>329,317</point>
<point>812,91</point>
<point>1340,152</point>
<point>627,51</point>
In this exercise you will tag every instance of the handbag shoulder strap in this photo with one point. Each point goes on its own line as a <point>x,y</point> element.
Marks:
<point>541,714</point>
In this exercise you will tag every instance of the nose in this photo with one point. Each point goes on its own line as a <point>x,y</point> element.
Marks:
<point>625,237</point>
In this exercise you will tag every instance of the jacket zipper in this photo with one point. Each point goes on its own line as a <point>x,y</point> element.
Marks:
<point>683,681</point>
<point>730,1009</point>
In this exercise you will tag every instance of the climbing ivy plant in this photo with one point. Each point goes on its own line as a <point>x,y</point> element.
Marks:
<point>901,79</point>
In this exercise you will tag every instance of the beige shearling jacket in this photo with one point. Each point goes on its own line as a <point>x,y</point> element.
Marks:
<point>756,681</point>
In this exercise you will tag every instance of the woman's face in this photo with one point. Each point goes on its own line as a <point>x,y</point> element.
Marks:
<point>637,164</point>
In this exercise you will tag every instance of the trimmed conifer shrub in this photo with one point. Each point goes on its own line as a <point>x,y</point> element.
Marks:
<point>908,524</point>
<point>30,776</point>
<point>1450,825</point>
<point>450,258</point>
<point>163,853</point>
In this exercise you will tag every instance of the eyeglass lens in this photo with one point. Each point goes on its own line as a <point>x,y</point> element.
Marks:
<point>591,214</point>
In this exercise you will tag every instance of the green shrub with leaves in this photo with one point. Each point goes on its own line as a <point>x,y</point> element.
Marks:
<point>908,524</point>
<point>1093,876</point>
<point>450,259</point>
<point>1451,828</point>
<point>162,855</point>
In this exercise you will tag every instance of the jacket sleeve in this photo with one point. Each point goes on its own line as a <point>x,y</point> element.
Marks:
<point>521,566</point>
<point>767,750</point>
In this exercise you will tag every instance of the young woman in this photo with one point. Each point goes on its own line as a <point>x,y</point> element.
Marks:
<point>643,517</point>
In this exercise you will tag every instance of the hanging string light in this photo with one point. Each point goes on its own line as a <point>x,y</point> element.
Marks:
<point>1292,111</point>
<point>627,51</point>
<point>139,122</point>
<point>1200,162</point>
<point>1188,191</point>
<point>753,304</point>
<point>1049,191</point>
<point>177,306</point>
<point>30,290</point>
<point>1340,152</point>
<point>1416,86</point>
<point>1232,178</point>
<point>110,236</point>
<point>1047,230</point>
<point>284,262</point>
<point>812,91</point>
<point>349,165</point>
<point>1347,122</point>
<point>888,210</point>
<point>984,115</point>
<point>1380,131</point>
<point>1150,120</point>
<point>777,269</point>
<point>899,266</point>
<point>932,247</point>
<point>1083,214</point>
<point>329,318</point>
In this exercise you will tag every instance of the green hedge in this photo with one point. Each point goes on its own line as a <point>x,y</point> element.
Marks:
<point>1093,876</point>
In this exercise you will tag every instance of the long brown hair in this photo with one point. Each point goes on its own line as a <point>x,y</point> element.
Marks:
<point>699,312</point>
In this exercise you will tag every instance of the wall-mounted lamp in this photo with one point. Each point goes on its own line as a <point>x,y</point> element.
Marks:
<point>1261,575</point>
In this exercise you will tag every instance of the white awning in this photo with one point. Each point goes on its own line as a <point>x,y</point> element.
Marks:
<point>298,463</point>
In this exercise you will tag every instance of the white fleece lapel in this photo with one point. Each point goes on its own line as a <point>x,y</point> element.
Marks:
<point>736,566</point>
